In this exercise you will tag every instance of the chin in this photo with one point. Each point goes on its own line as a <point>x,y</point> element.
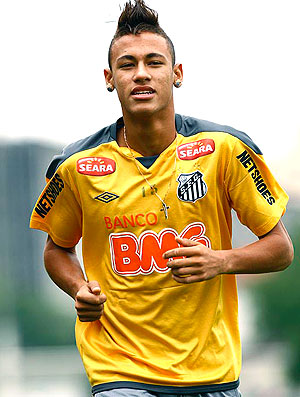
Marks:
<point>142,111</point>
<point>146,109</point>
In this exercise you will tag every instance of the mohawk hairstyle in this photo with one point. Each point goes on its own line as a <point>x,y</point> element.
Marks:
<point>137,18</point>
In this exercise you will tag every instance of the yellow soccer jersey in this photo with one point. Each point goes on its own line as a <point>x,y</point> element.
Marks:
<point>155,333</point>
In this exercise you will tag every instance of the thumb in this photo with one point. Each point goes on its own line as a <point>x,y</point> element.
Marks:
<point>94,287</point>
<point>185,242</point>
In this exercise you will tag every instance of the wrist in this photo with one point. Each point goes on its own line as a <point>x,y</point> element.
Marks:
<point>76,287</point>
<point>228,259</point>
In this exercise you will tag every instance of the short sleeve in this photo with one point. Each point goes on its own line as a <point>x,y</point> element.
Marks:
<point>255,195</point>
<point>57,211</point>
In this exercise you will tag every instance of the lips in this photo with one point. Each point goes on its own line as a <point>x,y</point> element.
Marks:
<point>142,91</point>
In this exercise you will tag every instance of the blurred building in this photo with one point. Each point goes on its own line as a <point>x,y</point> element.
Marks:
<point>21,179</point>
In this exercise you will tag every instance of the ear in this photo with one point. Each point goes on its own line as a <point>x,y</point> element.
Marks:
<point>108,77</point>
<point>178,72</point>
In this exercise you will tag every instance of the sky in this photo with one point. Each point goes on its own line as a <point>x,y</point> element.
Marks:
<point>240,60</point>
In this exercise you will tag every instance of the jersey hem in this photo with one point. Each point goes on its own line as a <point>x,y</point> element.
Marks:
<point>166,389</point>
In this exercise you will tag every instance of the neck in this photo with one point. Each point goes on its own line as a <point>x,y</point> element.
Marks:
<point>148,136</point>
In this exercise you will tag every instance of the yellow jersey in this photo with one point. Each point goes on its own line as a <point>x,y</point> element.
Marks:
<point>157,334</point>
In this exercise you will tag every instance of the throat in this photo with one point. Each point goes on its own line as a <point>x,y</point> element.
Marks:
<point>148,146</point>
<point>146,137</point>
<point>147,161</point>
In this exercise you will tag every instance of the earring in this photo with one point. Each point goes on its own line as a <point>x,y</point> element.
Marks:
<point>109,88</point>
<point>177,83</point>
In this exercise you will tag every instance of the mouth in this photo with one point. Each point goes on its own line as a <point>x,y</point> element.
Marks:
<point>143,92</point>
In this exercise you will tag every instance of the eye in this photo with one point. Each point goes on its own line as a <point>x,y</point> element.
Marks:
<point>155,63</point>
<point>126,65</point>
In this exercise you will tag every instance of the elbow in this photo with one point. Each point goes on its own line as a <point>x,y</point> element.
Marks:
<point>283,246</point>
<point>287,255</point>
<point>290,254</point>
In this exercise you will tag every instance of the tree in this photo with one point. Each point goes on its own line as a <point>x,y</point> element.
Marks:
<point>42,323</point>
<point>277,299</point>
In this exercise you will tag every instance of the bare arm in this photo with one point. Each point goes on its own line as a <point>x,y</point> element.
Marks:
<point>272,252</point>
<point>64,269</point>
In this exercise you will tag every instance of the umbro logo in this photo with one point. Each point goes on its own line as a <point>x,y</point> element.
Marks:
<point>106,197</point>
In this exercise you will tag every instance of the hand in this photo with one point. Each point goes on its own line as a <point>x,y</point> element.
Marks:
<point>199,263</point>
<point>89,302</point>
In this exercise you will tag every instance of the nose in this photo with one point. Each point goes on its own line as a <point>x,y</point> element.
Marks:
<point>141,73</point>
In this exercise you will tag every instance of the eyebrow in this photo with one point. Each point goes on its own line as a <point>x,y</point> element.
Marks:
<point>148,56</point>
<point>155,55</point>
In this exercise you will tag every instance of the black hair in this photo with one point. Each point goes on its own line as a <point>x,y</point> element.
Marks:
<point>137,18</point>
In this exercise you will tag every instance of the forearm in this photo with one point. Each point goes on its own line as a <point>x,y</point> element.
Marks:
<point>271,253</point>
<point>63,268</point>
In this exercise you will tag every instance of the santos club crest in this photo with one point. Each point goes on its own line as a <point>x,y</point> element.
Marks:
<point>191,186</point>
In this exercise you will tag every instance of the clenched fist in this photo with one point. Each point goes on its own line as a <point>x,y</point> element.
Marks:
<point>89,302</point>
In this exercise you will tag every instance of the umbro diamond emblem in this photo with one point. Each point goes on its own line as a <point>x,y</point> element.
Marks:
<point>106,197</point>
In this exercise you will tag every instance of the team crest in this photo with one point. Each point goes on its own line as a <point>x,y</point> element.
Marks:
<point>191,187</point>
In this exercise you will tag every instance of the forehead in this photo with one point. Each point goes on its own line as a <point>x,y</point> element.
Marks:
<point>140,45</point>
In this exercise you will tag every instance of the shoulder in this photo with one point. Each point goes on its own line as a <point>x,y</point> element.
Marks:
<point>189,126</point>
<point>105,135</point>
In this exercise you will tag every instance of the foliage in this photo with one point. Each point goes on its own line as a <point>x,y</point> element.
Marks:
<point>6,302</point>
<point>277,300</point>
<point>42,323</point>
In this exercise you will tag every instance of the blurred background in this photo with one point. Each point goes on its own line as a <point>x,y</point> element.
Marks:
<point>241,68</point>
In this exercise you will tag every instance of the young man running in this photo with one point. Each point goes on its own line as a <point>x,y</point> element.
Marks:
<point>151,197</point>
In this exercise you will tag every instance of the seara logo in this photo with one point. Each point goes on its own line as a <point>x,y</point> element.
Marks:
<point>96,166</point>
<point>193,150</point>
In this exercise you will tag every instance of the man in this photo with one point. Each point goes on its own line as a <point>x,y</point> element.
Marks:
<point>151,198</point>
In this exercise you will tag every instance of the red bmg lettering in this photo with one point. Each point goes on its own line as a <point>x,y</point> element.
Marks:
<point>131,256</point>
<point>124,253</point>
<point>195,232</point>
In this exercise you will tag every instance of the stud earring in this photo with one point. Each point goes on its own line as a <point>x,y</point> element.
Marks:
<point>177,83</point>
<point>109,88</point>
